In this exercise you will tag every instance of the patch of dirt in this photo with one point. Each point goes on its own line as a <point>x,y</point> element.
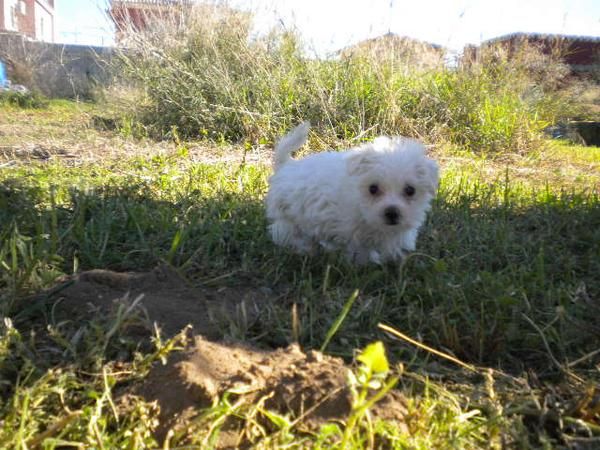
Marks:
<point>76,137</point>
<point>107,149</point>
<point>34,152</point>
<point>167,299</point>
<point>309,385</point>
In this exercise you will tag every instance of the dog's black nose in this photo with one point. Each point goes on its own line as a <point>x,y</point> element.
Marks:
<point>392,215</point>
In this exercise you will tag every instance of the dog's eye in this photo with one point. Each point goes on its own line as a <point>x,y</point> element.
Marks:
<point>373,189</point>
<point>409,190</point>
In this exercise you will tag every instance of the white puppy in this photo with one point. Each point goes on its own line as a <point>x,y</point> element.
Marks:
<point>368,201</point>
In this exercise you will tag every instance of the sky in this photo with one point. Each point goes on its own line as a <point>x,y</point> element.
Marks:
<point>329,25</point>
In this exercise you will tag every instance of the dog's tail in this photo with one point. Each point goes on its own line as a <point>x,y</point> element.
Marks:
<point>290,143</point>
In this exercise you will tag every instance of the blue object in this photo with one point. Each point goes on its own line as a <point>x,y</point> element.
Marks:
<point>3,79</point>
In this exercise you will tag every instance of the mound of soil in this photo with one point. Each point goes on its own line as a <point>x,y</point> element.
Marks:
<point>309,385</point>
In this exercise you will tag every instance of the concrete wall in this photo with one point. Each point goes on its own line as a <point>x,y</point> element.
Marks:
<point>56,70</point>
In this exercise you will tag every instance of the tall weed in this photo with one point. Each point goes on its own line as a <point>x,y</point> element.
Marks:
<point>208,76</point>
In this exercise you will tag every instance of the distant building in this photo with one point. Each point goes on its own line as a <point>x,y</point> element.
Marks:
<point>138,15</point>
<point>31,18</point>
<point>580,53</point>
<point>403,50</point>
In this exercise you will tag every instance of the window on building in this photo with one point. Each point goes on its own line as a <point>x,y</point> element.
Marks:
<point>13,17</point>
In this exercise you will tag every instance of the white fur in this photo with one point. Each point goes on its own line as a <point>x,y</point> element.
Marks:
<point>324,200</point>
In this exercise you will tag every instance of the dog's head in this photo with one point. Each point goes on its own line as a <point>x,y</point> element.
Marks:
<point>394,182</point>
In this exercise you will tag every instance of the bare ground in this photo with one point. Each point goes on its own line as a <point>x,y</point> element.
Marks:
<point>166,299</point>
<point>72,137</point>
<point>310,386</point>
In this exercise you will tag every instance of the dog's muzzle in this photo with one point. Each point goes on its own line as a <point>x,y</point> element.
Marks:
<point>391,215</point>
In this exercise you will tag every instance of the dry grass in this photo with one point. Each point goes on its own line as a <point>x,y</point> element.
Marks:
<point>83,133</point>
<point>556,163</point>
<point>221,82</point>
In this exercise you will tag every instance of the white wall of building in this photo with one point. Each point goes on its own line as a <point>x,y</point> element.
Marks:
<point>44,24</point>
<point>10,20</point>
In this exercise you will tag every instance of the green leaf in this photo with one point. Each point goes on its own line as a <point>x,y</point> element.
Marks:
<point>279,420</point>
<point>330,429</point>
<point>373,356</point>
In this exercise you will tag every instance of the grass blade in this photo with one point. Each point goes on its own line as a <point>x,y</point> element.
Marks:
<point>340,319</point>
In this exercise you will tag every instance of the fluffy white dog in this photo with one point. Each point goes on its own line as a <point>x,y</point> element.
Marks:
<point>368,201</point>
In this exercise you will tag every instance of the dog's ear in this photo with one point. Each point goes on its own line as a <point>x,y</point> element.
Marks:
<point>428,172</point>
<point>360,161</point>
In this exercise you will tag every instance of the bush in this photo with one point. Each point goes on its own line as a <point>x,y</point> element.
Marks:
<point>209,77</point>
<point>23,99</point>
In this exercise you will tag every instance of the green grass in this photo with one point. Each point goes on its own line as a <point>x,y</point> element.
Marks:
<point>506,276</point>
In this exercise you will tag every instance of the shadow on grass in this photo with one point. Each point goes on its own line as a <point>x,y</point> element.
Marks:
<point>513,285</point>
